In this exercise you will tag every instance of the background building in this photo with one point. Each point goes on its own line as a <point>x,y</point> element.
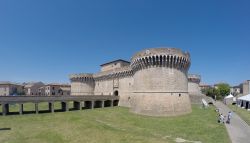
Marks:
<point>194,84</point>
<point>32,88</point>
<point>204,86</point>
<point>56,89</point>
<point>235,90</point>
<point>246,87</point>
<point>9,88</point>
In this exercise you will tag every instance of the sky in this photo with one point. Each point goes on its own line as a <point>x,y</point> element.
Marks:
<point>47,40</point>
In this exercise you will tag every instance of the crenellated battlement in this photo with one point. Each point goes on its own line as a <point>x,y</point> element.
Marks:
<point>116,73</point>
<point>83,77</point>
<point>161,57</point>
<point>194,78</point>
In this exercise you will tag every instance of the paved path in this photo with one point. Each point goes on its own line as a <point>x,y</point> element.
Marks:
<point>238,130</point>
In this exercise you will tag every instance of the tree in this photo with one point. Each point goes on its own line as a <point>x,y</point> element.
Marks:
<point>223,89</point>
<point>211,92</point>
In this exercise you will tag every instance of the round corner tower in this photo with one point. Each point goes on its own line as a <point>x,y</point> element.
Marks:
<point>82,84</point>
<point>160,82</point>
<point>194,84</point>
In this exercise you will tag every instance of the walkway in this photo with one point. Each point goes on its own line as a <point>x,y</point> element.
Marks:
<point>238,130</point>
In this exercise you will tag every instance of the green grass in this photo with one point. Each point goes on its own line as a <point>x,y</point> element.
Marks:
<point>243,113</point>
<point>112,125</point>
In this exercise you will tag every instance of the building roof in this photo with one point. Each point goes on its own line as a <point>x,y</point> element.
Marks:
<point>30,84</point>
<point>58,84</point>
<point>9,83</point>
<point>65,88</point>
<point>203,84</point>
<point>246,97</point>
<point>237,86</point>
<point>229,96</point>
<point>119,60</point>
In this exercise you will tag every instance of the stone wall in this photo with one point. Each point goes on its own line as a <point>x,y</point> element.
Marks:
<point>160,82</point>
<point>125,91</point>
<point>82,88</point>
<point>160,91</point>
<point>160,79</point>
<point>194,88</point>
<point>161,104</point>
<point>246,87</point>
<point>104,87</point>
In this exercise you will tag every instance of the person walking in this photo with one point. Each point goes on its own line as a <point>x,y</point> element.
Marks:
<point>222,118</point>
<point>229,116</point>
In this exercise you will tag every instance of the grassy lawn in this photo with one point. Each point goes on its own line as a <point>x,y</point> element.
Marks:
<point>243,113</point>
<point>112,125</point>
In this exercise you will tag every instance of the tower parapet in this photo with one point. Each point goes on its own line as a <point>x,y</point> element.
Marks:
<point>82,84</point>
<point>161,57</point>
<point>194,84</point>
<point>194,78</point>
<point>85,77</point>
<point>160,82</point>
<point>115,73</point>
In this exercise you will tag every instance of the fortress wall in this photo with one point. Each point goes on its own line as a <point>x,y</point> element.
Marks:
<point>160,79</point>
<point>151,104</point>
<point>82,88</point>
<point>194,88</point>
<point>104,87</point>
<point>161,82</point>
<point>160,91</point>
<point>125,91</point>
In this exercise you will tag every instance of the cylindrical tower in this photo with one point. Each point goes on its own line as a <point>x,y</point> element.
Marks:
<point>194,84</point>
<point>160,82</point>
<point>82,84</point>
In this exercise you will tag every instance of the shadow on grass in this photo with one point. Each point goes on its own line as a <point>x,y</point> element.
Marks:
<point>41,111</point>
<point>5,129</point>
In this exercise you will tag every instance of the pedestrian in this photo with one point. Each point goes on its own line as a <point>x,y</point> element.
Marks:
<point>222,118</point>
<point>217,110</point>
<point>229,116</point>
<point>218,117</point>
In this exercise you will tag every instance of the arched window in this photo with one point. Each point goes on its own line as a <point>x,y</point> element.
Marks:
<point>116,93</point>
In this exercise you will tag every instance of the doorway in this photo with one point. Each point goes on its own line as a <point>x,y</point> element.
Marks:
<point>116,93</point>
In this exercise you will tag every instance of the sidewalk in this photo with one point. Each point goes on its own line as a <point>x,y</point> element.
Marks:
<point>238,130</point>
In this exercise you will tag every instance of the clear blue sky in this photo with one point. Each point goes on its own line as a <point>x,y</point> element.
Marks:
<point>46,40</point>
